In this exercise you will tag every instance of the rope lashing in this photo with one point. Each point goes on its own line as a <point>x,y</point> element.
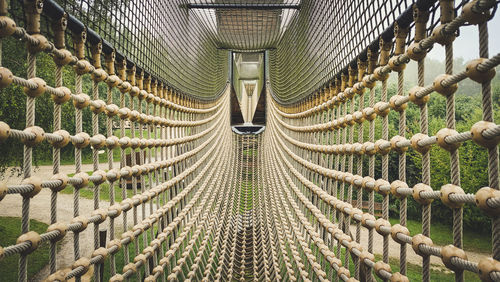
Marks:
<point>188,198</point>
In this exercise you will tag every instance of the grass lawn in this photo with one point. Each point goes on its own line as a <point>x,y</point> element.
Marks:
<point>103,158</point>
<point>88,192</point>
<point>414,271</point>
<point>120,258</point>
<point>442,235</point>
<point>10,229</point>
<point>87,158</point>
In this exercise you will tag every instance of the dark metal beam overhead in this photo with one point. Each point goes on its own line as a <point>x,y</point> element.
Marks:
<point>243,6</point>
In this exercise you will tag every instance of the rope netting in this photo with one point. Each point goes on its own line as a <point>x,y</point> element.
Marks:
<point>162,39</point>
<point>207,204</point>
<point>315,49</point>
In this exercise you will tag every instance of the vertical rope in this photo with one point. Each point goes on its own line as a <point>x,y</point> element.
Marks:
<point>402,175</point>
<point>426,173</point>
<point>359,166</point>
<point>78,168</point>
<point>95,164</point>
<point>454,158</point>
<point>109,133</point>
<point>56,161</point>
<point>371,170</point>
<point>133,158</point>
<point>342,191</point>
<point>27,167</point>
<point>385,172</point>
<point>143,183</point>
<point>487,105</point>
<point>347,220</point>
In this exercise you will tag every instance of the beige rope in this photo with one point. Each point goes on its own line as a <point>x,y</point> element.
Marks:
<point>268,207</point>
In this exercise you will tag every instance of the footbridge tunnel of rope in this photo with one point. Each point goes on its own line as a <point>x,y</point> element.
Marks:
<point>254,124</point>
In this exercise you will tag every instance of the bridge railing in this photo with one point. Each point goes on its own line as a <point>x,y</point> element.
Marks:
<point>169,139</point>
<point>331,166</point>
<point>315,163</point>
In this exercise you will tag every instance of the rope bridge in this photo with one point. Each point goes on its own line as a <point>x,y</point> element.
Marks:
<point>209,204</point>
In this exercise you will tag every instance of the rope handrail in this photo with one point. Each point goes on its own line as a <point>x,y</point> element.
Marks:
<point>323,192</point>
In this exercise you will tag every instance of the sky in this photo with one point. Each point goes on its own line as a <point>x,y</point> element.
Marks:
<point>467,44</point>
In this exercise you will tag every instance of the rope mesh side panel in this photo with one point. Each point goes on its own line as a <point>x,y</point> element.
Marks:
<point>303,200</point>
